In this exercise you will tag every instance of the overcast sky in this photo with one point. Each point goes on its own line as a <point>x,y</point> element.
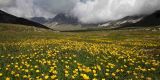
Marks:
<point>87,11</point>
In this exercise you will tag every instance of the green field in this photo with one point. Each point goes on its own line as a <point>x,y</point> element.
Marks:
<point>27,53</point>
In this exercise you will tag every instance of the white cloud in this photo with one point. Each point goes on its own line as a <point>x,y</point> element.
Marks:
<point>87,11</point>
<point>103,10</point>
<point>4,3</point>
<point>25,8</point>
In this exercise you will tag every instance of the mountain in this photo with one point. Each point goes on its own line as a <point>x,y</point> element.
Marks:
<point>149,20</point>
<point>122,22</point>
<point>8,18</point>
<point>63,22</point>
<point>41,20</point>
<point>64,19</point>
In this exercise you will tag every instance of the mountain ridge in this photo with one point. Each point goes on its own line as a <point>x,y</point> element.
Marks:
<point>129,21</point>
<point>8,18</point>
<point>150,20</point>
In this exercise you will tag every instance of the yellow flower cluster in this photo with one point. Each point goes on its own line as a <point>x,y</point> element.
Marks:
<point>70,58</point>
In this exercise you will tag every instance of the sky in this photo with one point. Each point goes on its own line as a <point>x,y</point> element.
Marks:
<point>87,11</point>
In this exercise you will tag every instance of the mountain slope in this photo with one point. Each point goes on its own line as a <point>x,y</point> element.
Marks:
<point>8,18</point>
<point>40,20</point>
<point>63,22</point>
<point>150,20</point>
<point>64,19</point>
<point>124,21</point>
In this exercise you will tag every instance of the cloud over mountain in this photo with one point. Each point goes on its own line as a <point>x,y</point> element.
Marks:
<point>87,11</point>
<point>94,11</point>
<point>6,3</point>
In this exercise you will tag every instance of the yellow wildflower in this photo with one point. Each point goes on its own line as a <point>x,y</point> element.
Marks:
<point>46,77</point>
<point>1,74</point>
<point>85,76</point>
<point>8,78</point>
<point>53,76</point>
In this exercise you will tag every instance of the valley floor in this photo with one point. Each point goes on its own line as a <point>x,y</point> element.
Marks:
<point>98,55</point>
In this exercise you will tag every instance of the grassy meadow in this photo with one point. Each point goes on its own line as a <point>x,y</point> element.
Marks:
<point>27,53</point>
